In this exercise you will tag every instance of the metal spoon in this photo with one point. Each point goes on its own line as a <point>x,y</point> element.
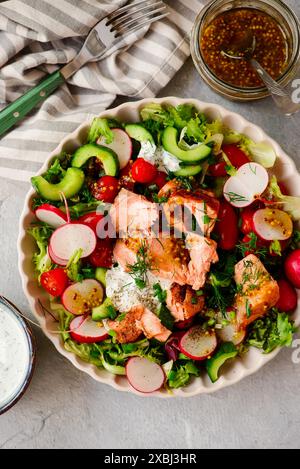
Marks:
<point>243,48</point>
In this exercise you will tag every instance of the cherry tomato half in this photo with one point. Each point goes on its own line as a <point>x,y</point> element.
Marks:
<point>91,219</point>
<point>105,189</point>
<point>247,220</point>
<point>126,180</point>
<point>288,297</point>
<point>227,226</point>
<point>55,281</point>
<point>236,156</point>
<point>160,180</point>
<point>103,254</point>
<point>143,172</point>
<point>292,268</point>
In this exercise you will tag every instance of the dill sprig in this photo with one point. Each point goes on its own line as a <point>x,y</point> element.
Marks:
<point>140,268</point>
<point>234,197</point>
<point>252,246</point>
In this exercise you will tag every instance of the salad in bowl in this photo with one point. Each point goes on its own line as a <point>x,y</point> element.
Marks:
<point>167,247</point>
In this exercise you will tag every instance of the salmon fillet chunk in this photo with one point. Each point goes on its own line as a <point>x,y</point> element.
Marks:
<point>167,257</point>
<point>139,320</point>
<point>183,302</point>
<point>152,327</point>
<point>203,252</point>
<point>127,330</point>
<point>190,212</point>
<point>258,292</point>
<point>132,214</point>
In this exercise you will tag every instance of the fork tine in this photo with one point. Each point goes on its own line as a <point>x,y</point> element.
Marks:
<point>141,25</point>
<point>120,26</point>
<point>121,18</point>
<point>125,9</point>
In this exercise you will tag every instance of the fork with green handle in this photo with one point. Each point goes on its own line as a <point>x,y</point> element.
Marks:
<point>107,33</point>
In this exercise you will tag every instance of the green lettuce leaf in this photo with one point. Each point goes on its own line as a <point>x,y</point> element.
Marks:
<point>41,259</point>
<point>100,128</point>
<point>273,331</point>
<point>181,374</point>
<point>290,204</point>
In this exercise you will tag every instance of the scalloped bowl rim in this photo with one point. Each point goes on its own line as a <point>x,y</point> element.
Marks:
<point>238,369</point>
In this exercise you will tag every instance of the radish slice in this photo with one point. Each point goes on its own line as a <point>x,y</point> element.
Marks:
<point>51,215</point>
<point>250,181</point>
<point>273,224</point>
<point>198,343</point>
<point>121,145</point>
<point>55,259</point>
<point>69,238</point>
<point>86,331</point>
<point>144,376</point>
<point>81,297</point>
<point>231,333</point>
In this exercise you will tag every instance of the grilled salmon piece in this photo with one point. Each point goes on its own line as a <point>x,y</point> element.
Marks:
<point>169,188</point>
<point>152,327</point>
<point>139,320</point>
<point>203,252</point>
<point>167,257</point>
<point>191,212</point>
<point>183,302</point>
<point>127,330</point>
<point>185,263</point>
<point>132,215</point>
<point>259,292</point>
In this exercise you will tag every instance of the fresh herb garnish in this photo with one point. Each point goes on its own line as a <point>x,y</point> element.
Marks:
<point>139,270</point>
<point>275,248</point>
<point>159,200</point>
<point>248,309</point>
<point>121,317</point>
<point>234,197</point>
<point>160,294</point>
<point>252,246</point>
<point>223,288</point>
<point>165,317</point>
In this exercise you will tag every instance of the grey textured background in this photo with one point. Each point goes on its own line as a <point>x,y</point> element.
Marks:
<point>64,408</point>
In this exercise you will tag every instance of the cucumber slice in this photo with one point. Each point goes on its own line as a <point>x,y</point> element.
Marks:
<point>100,275</point>
<point>213,365</point>
<point>102,311</point>
<point>191,170</point>
<point>139,133</point>
<point>107,156</point>
<point>70,185</point>
<point>169,141</point>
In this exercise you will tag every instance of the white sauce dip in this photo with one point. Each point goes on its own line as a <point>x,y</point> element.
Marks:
<point>122,290</point>
<point>158,156</point>
<point>14,355</point>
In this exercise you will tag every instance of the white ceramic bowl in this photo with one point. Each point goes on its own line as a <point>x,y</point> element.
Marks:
<point>232,373</point>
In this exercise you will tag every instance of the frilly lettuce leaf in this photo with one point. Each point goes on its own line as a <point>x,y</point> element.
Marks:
<point>100,128</point>
<point>273,331</point>
<point>41,259</point>
<point>290,204</point>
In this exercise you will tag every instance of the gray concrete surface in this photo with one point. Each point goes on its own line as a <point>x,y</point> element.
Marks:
<point>66,409</point>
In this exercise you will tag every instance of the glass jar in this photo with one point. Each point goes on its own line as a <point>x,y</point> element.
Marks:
<point>279,11</point>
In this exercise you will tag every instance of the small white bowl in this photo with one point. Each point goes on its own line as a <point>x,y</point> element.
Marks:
<point>232,373</point>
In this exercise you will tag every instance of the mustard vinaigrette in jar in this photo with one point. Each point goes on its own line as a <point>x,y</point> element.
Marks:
<point>225,29</point>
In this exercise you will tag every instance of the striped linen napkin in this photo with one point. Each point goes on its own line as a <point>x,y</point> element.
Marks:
<point>39,36</point>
